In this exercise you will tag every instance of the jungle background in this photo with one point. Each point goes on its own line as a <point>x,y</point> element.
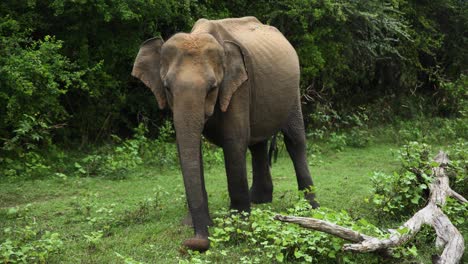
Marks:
<point>88,165</point>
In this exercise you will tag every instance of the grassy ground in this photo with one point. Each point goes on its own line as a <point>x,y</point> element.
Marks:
<point>150,230</point>
<point>141,214</point>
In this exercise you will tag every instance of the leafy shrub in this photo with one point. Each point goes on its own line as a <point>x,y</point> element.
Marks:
<point>454,97</point>
<point>323,121</point>
<point>340,130</point>
<point>427,130</point>
<point>128,260</point>
<point>405,191</point>
<point>34,76</point>
<point>401,193</point>
<point>337,141</point>
<point>212,155</point>
<point>358,138</point>
<point>104,218</point>
<point>148,209</point>
<point>458,167</point>
<point>266,238</point>
<point>93,238</point>
<point>457,213</point>
<point>115,160</point>
<point>29,245</point>
<point>162,152</point>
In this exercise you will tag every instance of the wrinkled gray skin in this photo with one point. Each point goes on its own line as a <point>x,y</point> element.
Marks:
<point>236,81</point>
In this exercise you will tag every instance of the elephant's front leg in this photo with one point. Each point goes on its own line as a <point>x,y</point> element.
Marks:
<point>236,171</point>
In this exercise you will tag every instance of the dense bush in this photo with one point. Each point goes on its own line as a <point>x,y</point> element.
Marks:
<point>262,237</point>
<point>267,238</point>
<point>33,78</point>
<point>68,62</point>
<point>402,193</point>
<point>28,245</point>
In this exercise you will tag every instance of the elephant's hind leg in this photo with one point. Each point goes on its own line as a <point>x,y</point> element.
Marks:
<point>295,141</point>
<point>262,187</point>
<point>238,186</point>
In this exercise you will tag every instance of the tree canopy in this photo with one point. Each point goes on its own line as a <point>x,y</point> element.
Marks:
<point>65,64</point>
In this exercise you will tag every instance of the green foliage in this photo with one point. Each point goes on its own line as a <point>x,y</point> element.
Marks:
<point>128,260</point>
<point>403,192</point>
<point>33,78</point>
<point>358,138</point>
<point>36,75</point>
<point>340,130</point>
<point>266,238</point>
<point>163,152</point>
<point>212,155</point>
<point>352,53</point>
<point>457,213</point>
<point>93,238</point>
<point>103,219</point>
<point>337,141</point>
<point>115,160</point>
<point>28,245</point>
<point>147,210</point>
<point>142,221</point>
<point>458,168</point>
<point>454,96</point>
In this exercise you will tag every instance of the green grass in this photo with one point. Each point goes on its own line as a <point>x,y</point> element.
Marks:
<point>154,236</point>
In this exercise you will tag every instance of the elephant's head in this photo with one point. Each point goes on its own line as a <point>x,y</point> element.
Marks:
<point>193,67</point>
<point>190,73</point>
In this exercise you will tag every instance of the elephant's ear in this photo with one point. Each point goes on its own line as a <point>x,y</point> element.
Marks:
<point>235,73</point>
<point>147,66</point>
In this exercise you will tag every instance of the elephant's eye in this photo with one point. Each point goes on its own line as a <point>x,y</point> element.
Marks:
<point>213,86</point>
<point>166,87</point>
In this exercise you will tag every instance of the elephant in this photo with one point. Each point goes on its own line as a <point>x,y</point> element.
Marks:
<point>236,82</point>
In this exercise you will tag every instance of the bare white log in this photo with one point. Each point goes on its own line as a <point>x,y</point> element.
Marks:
<point>448,237</point>
<point>458,196</point>
<point>327,227</point>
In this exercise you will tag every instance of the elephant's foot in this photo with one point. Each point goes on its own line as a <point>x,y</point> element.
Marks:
<point>188,221</point>
<point>258,196</point>
<point>197,243</point>
<point>310,197</point>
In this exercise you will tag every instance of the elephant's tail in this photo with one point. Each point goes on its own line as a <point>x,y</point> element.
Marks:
<point>273,151</point>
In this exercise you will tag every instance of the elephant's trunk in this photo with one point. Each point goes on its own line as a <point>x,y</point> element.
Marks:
<point>189,124</point>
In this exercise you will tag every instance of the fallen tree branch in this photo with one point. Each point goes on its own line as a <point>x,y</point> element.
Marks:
<point>324,226</point>
<point>447,234</point>
<point>458,196</point>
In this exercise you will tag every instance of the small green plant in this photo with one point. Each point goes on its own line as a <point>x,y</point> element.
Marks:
<point>28,245</point>
<point>454,97</point>
<point>146,210</point>
<point>358,138</point>
<point>18,212</point>
<point>337,141</point>
<point>401,193</point>
<point>457,212</point>
<point>115,161</point>
<point>458,167</point>
<point>93,239</point>
<point>410,133</point>
<point>128,260</point>
<point>267,238</point>
<point>212,155</point>
<point>163,150</point>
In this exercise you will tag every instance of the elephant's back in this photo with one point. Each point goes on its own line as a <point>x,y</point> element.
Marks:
<point>272,66</point>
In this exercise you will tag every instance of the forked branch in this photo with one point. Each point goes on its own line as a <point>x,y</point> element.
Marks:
<point>448,237</point>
